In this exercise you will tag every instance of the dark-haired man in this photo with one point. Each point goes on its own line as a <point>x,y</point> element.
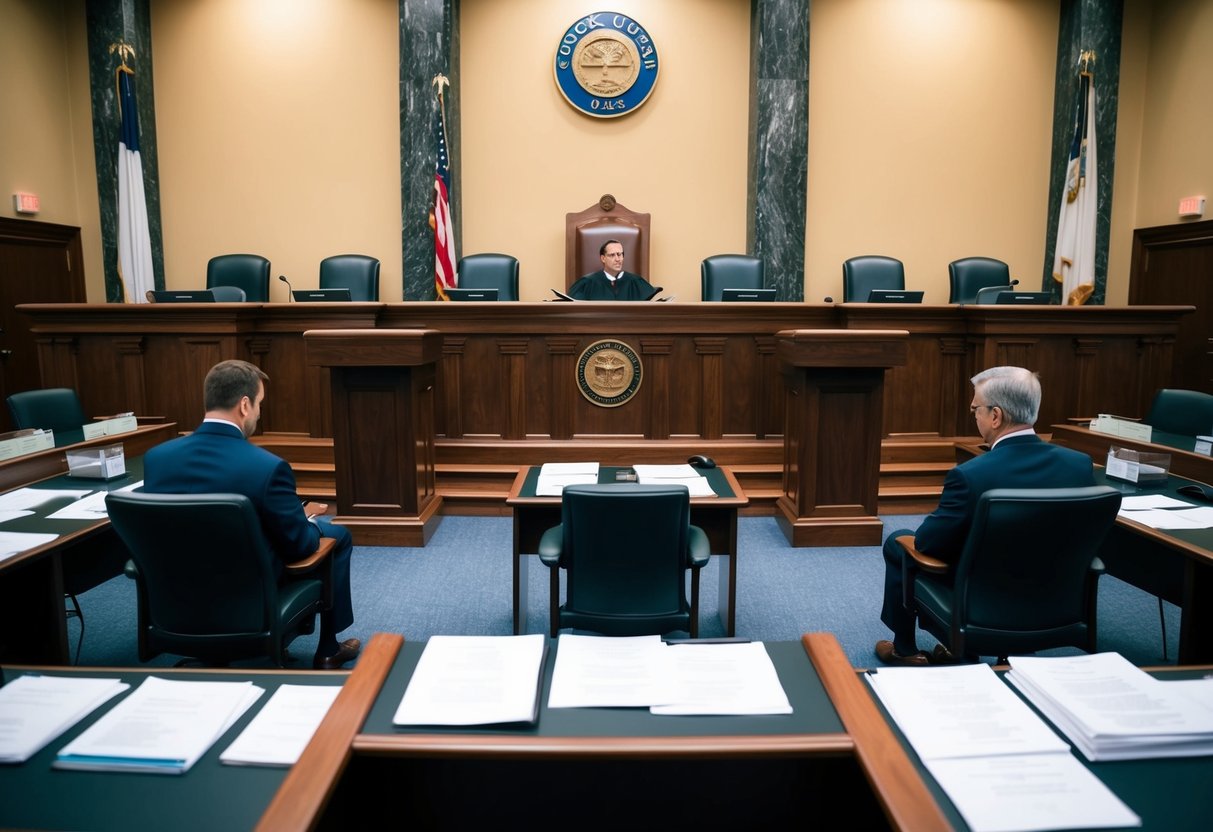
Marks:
<point>612,283</point>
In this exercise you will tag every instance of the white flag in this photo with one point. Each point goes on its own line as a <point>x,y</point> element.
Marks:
<point>134,238</point>
<point>1074,258</point>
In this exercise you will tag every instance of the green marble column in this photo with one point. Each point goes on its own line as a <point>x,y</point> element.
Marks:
<point>1085,25</point>
<point>109,22</point>
<point>429,44</point>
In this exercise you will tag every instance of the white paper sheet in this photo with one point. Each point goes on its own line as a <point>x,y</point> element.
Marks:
<point>1141,502</point>
<point>163,727</point>
<point>554,476</point>
<point>681,474</point>
<point>23,498</point>
<point>1191,518</point>
<point>723,679</point>
<point>599,672</point>
<point>283,727</point>
<point>91,507</point>
<point>14,543</point>
<point>474,680</point>
<point>5,516</point>
<point>36,709</point>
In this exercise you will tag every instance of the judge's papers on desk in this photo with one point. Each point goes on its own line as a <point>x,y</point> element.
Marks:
<point>163,727</point>
<point>36,709</point>
<point>554,476</point>
<point>999,763</point>
<point>1112,710</point>
<point>668,679</point>
<point>682,474</point>
<point>475,680</point>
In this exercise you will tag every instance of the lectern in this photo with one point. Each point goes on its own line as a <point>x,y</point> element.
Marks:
<point>834,380</point>
<point>383,430</point>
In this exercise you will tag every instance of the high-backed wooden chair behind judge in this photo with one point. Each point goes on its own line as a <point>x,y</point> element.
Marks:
<point>586,231</point>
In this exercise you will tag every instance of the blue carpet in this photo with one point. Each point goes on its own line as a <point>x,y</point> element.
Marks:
<point>460,584</point>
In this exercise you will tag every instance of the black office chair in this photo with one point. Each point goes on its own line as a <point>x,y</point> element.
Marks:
<point>356,272</point>
<point>228,294</point>
<point>1026,579</point>
<point>1186,412</point>
<point>490,271</point>
<point>970,274</point>
<point>989,294</point>
<point>55,408</point>
<point>860,275</point>
<point>729,271</point>
<point>208,585</point>
<point>625,549</point>
<point>251,272</point>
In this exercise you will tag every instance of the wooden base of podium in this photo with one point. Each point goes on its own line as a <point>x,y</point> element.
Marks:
<point>387,530</point>
<point>856,530</point>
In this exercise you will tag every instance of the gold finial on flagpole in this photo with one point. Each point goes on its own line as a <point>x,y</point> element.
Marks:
<point>1085,59</point>
<point>440,82</point>
<point>124,50</point>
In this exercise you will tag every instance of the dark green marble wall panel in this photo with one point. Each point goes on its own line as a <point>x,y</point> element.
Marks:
<point>429,44</point>
<point>777,183</point>
<point>1085,25</point>
<point>114,21</point>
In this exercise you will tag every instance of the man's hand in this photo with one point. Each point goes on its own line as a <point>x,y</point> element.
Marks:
<point>315,509</point>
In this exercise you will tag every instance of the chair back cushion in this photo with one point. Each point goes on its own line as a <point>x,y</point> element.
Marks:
<point>625,554</point>
<point>729,271</point>
<point>969,274</point>
<point>55,408</point>
<point>1186,412</point>
<point>356,272</point>
<point>860,275</point>
<point>490,271</point>
<point>228,294</point>
<point>1021,580</point>
<point>251,272</point>
<point>989,294</point>
<point>587,230</point>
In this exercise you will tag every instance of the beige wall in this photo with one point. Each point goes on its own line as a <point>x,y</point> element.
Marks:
<point>278,126</point>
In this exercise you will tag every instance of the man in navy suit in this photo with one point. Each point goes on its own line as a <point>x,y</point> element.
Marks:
<point>612,283</point>
<point>218,458</point>
<point>1005,403</point>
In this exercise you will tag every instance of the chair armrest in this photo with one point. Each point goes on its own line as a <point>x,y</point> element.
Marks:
<point>310,562</point>
<point>699,549</point>
<point>551,546</point>
<point>131,570</point>
<point>924,562</point>
<point>1097,566</point>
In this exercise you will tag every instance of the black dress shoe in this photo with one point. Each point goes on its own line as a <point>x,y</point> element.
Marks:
<point>347,651</point>
<point>886,653</point>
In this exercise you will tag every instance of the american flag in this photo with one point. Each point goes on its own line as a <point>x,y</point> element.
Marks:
<point>440,214</point>
<point>1074,256</point>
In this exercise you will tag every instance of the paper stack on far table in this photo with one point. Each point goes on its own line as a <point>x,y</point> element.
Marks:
<point>554,476</point>
<point>36,709</point>
<point>682,474</point>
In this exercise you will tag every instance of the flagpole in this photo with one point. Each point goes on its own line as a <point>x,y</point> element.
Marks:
<point>440,215</point>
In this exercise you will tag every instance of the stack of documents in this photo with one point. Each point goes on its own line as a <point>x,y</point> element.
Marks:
<point>283,728</point>
<point>475,680</point>
<point>554,476</point>
<point>684,679</point>
<point>1112,710</point>
<point>36,709</point>
<point>91,507</point>
<point>164,727</point>
<point>1159,511</point>
<point>998,762</point>
<point>682,474</point>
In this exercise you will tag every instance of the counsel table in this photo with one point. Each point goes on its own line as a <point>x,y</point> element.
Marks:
<point>717,516</point>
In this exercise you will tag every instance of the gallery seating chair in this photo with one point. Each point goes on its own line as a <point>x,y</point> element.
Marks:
<point>587,230</point>
<point>208,586</point>
<point>55,408</point>
<point>251,272</point>
<point>969,274</point>
<point>860,275</point>
<point>989,294</point>
<point>490,271</point>
<point>625,549</point>
<point>1186,412</point>
<point>729,271</point>
<point>1026,579</point>
<point>228,294</point>
<point>356,272</point>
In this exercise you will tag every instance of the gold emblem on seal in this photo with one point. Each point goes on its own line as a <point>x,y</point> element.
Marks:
<point>609,373</point>
<point>606,64</point>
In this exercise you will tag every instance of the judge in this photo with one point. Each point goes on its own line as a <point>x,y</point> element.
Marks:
<point>612,283</point>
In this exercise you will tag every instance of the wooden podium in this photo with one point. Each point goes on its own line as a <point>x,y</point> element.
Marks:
<point>383,430</point>
<point>834,380</point>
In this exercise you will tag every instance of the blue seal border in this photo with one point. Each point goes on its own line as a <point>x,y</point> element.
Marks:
<point>602,106</point>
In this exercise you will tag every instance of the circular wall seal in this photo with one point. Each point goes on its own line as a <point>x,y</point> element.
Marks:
<point>606,64</point>
<point>609,373</point>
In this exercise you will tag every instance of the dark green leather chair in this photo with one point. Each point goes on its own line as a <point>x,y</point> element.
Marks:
<point>1026,579</point>
<point>490,271</point>
<point>356,272</point>
<point>250,272</point>
<point>860,275</point>
<point>209,588</point>
<point>729,271</point>
<point>970,274</point>
<point>989,294</point>
<point>228,294</point>
<point>55,408</point>
<point>625,549</point>
<point>1186,412</point>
